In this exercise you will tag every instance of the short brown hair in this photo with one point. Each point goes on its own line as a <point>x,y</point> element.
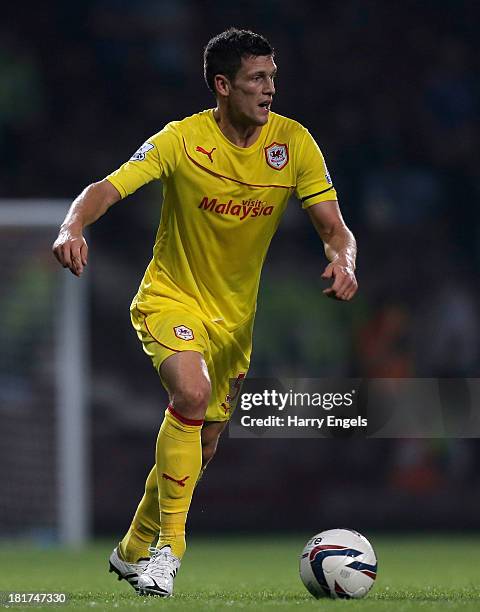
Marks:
<point>223,53</point>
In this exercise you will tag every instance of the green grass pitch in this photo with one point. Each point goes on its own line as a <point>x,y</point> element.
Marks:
<point>220,574</point>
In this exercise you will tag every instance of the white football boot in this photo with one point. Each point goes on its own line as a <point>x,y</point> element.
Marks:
<point>127,571</point>
<point>157,578</point>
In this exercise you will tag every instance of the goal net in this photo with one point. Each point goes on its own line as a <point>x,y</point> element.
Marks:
<point>43,380</point>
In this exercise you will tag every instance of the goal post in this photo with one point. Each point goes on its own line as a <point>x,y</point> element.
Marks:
<point>44,380</point>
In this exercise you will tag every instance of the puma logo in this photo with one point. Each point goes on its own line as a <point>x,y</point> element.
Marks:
<point>207,153</point>
<point>180,482</point>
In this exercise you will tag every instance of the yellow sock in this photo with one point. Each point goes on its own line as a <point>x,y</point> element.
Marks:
<point>145,524</point>
<point>179,461</point>
<point>172,532</point>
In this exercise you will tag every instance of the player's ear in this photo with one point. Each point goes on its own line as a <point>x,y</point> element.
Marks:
<point>222,84</point>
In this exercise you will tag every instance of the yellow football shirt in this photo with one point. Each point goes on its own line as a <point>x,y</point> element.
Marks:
<point>221,206</point>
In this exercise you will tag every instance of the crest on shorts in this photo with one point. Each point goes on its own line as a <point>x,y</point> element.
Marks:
<point>183,332</point>
<point>276,155</point>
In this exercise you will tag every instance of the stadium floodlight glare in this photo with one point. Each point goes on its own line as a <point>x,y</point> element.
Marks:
<point>51,424</point>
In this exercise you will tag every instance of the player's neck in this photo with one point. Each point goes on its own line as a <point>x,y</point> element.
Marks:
<point>240,135</point>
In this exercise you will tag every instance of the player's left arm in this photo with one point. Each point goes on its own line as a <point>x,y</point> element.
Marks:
<point>340,249</point>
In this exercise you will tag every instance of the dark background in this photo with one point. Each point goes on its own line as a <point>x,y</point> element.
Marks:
<point>391,93</point>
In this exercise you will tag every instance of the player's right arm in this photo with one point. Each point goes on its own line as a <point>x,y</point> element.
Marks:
<point>70,247</point>
<point>146,164</point>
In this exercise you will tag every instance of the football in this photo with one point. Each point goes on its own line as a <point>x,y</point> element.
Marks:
<point>338,563</point>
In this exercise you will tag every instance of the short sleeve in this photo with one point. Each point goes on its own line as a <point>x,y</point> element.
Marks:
<point>156,159</point>
<point>313,179</point>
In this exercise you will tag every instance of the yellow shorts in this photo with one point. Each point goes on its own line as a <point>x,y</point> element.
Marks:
<point>227,353</point>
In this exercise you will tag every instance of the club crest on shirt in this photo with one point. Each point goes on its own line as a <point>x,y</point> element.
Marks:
<point>142,152</point>
<point>183,332</point>
<point>276,155</point>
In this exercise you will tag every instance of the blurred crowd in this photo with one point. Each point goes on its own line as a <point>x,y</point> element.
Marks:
<point>389,90</point>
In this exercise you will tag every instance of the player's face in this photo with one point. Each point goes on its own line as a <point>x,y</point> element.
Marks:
<point>252,90</point>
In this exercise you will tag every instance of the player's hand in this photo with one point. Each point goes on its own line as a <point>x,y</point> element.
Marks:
<point>71,250</point>
<point>344,284</point>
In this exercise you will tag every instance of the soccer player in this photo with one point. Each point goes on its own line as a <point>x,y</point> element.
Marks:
<point>227,176</point>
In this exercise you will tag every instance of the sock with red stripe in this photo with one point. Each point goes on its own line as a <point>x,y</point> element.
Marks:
<point>178,466</point>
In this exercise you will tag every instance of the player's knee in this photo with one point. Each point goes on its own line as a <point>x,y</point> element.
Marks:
<point>192,401</point>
